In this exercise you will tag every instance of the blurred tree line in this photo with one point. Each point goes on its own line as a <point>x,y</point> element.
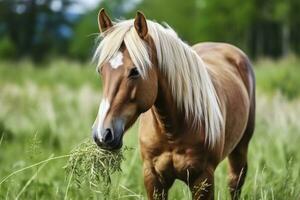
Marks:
<point>34,28</point>
<point>43,28</point>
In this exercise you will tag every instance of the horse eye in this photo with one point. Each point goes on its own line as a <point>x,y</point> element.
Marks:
<point>134,73</point>
<point>99,70</point>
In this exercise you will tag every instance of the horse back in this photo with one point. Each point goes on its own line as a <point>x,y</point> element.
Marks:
<point>231,54</point>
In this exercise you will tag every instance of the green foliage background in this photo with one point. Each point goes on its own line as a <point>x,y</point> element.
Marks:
<point>259,27</point>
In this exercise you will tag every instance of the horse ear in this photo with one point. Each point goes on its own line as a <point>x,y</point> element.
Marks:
<point>140,24</point>
<point>104,21</point>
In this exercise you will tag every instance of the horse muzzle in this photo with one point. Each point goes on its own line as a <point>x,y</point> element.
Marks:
<point>111,136</point>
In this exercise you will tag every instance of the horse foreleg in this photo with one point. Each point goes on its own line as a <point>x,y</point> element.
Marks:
<point>203,186</point>
<point>156,187</point>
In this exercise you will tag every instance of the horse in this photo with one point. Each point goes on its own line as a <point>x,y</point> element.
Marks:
<point>196,104</point>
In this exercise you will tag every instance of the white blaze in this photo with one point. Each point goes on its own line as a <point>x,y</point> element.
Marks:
<point>103,109</point>
<point>116,61</point>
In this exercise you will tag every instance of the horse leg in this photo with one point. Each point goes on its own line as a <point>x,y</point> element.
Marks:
<point>238,159</point>
<point>237,171</point>
<point>156,187</point>
<point>203,186</point>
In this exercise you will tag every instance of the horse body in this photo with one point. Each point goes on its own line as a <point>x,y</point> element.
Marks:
<point>196,104</point>
<point>171,148</point>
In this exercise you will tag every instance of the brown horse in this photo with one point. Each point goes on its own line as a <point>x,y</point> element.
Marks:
<point>197,104</point>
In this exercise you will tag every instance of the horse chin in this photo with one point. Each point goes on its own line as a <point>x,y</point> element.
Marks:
<point>115,145</point>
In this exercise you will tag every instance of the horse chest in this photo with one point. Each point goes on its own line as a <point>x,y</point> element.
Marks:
<point>178,163</point>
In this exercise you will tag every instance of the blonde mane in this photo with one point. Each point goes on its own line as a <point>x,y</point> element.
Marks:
<point>188,77</point>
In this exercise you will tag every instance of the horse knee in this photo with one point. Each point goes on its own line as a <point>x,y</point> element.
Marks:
<point>157,188</point>
<point>203,186</point>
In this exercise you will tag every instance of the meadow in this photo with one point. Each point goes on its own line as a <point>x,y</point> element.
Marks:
<point>45,112</point>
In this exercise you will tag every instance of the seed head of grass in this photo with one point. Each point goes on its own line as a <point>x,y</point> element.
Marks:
<point>94,165</point>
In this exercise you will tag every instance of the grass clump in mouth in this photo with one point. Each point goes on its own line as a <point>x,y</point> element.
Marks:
<point>94,165</point>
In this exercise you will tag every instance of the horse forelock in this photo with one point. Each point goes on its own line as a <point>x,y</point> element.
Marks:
<point>189,80</point>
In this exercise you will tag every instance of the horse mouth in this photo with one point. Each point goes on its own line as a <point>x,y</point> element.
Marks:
<point>116,144</point>
<point>113,146</point>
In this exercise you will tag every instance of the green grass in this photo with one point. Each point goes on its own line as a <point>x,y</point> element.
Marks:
<point>64,72</point>
<point>280,76</point>
<point>45,113</point>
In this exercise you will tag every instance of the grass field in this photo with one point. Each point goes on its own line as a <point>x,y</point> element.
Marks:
<point>46,112</point>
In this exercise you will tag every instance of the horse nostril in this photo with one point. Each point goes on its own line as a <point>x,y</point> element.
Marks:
<point>108,136</point>
<point>97,141</point>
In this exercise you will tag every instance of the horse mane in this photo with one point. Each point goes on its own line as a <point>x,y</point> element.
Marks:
<point>187,75</point>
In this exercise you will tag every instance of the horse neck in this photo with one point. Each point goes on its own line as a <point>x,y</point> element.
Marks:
<point>169,118</point>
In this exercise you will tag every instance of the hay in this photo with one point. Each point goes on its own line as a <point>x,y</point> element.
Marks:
<point>94,165</point>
